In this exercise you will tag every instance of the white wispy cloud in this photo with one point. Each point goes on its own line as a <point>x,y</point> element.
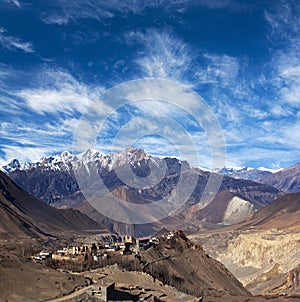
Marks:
<point>25,154</point>
<point>269,157</point>
<point>220,69</point>
<point>264,120</point>
<point>169,111</point>
<point>46,117</point>
<point>284,25</point>
<point>65,11</point>
<point>58,91</point>
<point>280,111</point>
<point>164,137</point>
<point>16,3</point>
<point>291,135</point>
<point>31,133</point>
<point>13,2</point>
<point>283,15</point>
<point>279,134</point>
<point>230,5</point>
<point>26,140</point>
<point>288,80</point>
<point>9,105</point>
<point>164,54</point>
<point>255,113</point>
<point>14,43</point>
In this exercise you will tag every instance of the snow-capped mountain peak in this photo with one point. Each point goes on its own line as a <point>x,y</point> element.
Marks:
<point>90,154</point>
<point>13,165</point>
<point>129,155</point>
<point>243,172</point>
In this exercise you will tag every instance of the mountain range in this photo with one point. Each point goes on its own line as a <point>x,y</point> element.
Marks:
<point>287,180</point>
<point>244,172</point>
<point>53,180</point>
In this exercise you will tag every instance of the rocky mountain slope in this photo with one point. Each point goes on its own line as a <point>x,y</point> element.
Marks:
<point>283,213</point>
<point>263,252</point>
<point>23,216</point>
<point>232,208</point>
<point>187,267</point>
<point>287,180</point>
<point>53,180</point>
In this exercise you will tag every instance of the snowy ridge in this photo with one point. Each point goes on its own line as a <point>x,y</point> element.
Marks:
<point>245,169</point>
<point>273,171</point>
<point>52,162</point>
<point>245,172</point>
<point>65,160</point>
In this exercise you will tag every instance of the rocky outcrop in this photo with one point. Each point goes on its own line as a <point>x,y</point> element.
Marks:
<point>263,252</point>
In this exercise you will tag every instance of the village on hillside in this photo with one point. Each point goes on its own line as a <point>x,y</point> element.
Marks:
<point>107,246</point>
<point>111,252</point>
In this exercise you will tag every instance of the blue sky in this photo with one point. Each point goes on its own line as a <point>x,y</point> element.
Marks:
<point>242,57</point>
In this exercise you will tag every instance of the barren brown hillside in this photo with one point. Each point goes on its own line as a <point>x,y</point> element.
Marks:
<point>23,216</point>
